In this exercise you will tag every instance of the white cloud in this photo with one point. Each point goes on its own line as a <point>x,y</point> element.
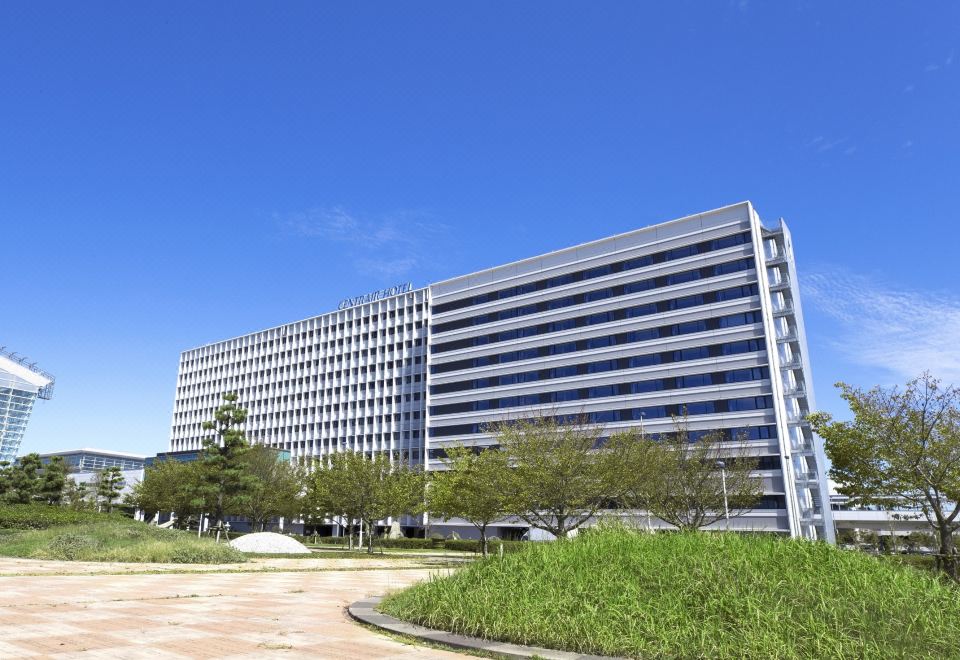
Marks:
<point>822,144</point>
<point>390,245</point>
<point>902,331</point>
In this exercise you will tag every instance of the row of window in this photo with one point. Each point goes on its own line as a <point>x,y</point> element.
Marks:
<point>632,362</point>
<point>222,351</point>
<point>597,318</point>
<point>611,292</point>
<point>607,390</point>
<point>632,414</point>
<point>599,271</point>
<point>648,334</point>
<point>763,462</point>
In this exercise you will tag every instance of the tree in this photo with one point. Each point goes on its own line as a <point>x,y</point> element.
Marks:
<point>563,473</point>
<point>273,488</point>
<point>108,483</point>
<point>222,456</point>
<point>474,487</point>
<point>902,445</point>
<point>697,478</point>
<point>366,489</point>
<point>23,480</point>
<point>76,494</point>
<point>171,486</point>
<point>52,481</point>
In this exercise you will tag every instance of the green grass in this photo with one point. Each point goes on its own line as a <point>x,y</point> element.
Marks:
<point>113,538</point>
<point>618,592</point>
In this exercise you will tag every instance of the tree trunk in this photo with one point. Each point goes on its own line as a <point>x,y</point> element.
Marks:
<point>561,527</point>
<point>370,528</point>
<point>948,552</point>
<point>483,539</point>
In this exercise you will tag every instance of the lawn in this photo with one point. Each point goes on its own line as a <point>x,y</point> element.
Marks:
<point>99,537</point>
<point>620,592</point>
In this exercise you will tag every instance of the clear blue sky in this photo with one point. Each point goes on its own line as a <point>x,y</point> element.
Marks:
<point>173,174</point>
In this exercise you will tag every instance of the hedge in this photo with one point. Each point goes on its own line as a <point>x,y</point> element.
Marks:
<point>43,516</point>
<point>493,545</point>
<point>463,545</point>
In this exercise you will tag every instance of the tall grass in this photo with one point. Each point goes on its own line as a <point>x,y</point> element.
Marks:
<point>618,592</point>
<point>116,539</point>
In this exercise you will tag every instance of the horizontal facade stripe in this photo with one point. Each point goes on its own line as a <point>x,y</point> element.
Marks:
<point>632,362</point>
<point>601,341</point>
<point>595,294</point>
<point>641,261</point>
<point>594,391</point>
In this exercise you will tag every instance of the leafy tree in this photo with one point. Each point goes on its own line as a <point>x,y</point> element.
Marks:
<point>222,457</point>
<point>273,488</point>
<point>52,481</point>
<point>686,488</point>
<point>366,489</point>
<point>474,487</point>
<point>561,475</point>
<point>76,494</point>
<point>171,486</point>
<point>902,445</point>
<point>5,480</point>
<point>109,482</point>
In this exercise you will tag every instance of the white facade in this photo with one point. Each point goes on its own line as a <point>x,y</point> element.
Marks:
<point>21,383</point>
<point>350,380</point>
<point>700,313</point>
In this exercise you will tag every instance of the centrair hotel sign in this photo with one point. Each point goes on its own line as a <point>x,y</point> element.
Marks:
<point>376,295</point>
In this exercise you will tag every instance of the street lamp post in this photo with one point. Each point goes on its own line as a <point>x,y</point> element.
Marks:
<point>642,439</point>
<point>723,480</point>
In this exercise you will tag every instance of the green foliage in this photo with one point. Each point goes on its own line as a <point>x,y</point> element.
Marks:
<point>474,487</point>
<point>41,516</point>
<point>363,488</point>
<point>70,546</point>
<point>560,478</point>
<point>89,536</point>
<point>903,446</point>
<point>222,457</point>
<point>678,480</point>
<point>273,488</point>
<point>108,483</point>
<point>682,595</point>
<point>494,545</point>
<point>171,485</point>
<point>21,482</point>
<point>53,481</point>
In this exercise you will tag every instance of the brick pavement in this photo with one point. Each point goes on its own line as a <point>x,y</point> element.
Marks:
<point>208,615</point>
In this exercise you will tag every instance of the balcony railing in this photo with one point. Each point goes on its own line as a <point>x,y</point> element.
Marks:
<point>780,285</point>
<point>793,363</point>
<point>783,310</point>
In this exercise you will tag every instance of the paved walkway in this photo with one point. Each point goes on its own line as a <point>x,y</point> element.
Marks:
<point>203,615</point>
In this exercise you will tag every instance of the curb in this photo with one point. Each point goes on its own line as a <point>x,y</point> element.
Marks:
<point>365,611</point>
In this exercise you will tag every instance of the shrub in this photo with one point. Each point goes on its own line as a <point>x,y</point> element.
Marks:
<point>196,552</point>
<point>70,546</point>
<point>43,516</point>
<point>473,545</point>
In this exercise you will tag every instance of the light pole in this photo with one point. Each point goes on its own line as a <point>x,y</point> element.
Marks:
<point>723,480</point>
<point>642,439</point>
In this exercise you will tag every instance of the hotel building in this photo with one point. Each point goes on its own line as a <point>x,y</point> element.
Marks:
<point>698,315</point>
